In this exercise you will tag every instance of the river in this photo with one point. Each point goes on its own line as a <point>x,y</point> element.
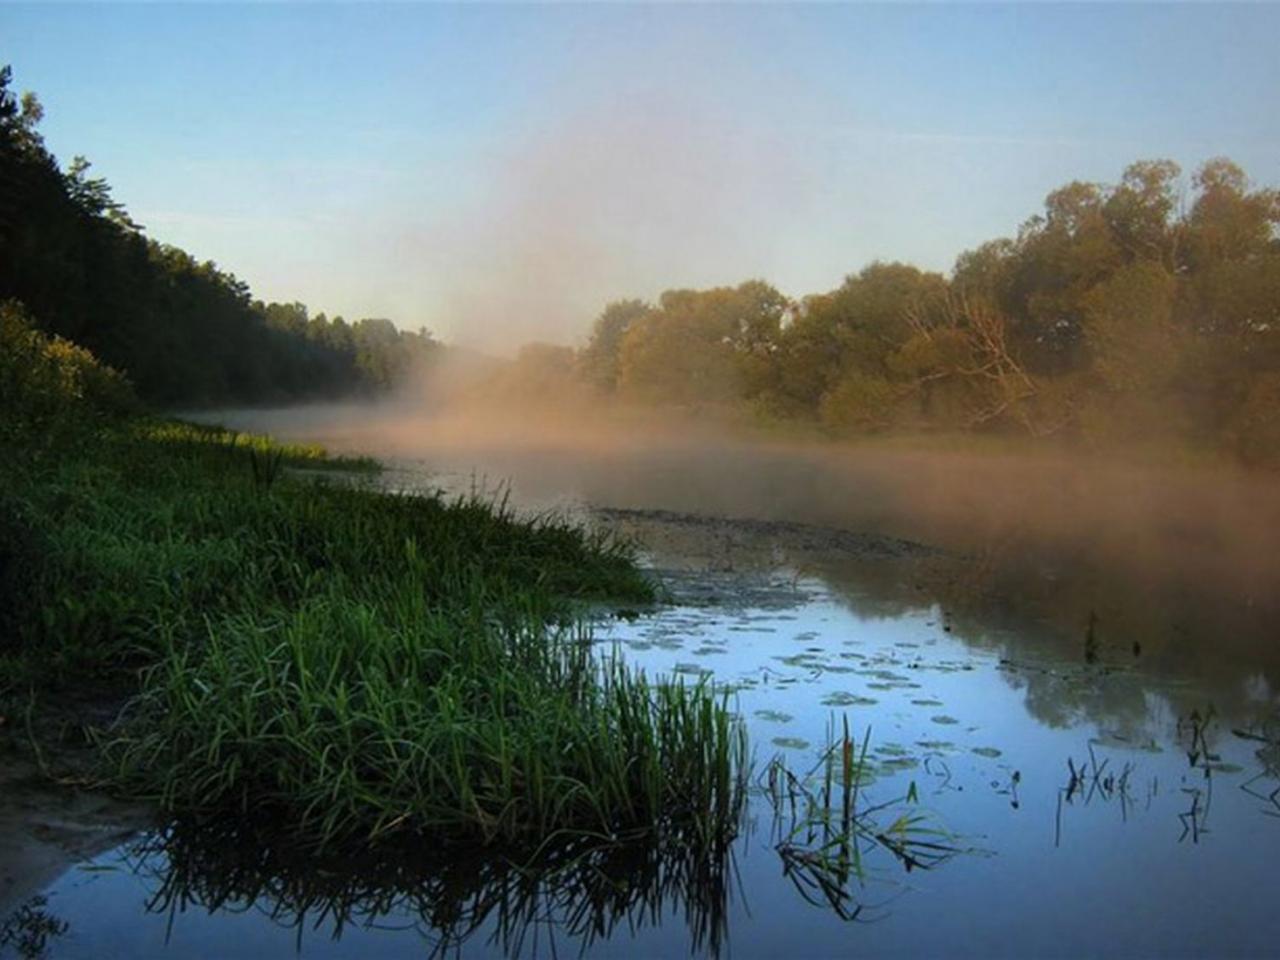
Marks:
<point>1067,674</point>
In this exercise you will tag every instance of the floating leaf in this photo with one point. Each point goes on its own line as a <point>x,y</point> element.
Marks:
<point>791,743</point>
<point>843,699</point>
<point>774,716</point>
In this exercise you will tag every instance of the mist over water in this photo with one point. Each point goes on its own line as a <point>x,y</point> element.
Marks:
<point>1166,554</point>
<point>1077,682</point>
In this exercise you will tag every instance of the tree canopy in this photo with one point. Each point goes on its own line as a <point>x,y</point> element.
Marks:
<point>1146,308</point>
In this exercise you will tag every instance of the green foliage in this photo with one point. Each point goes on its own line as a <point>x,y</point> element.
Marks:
<point>185,332</point>
<point>828,836</point>
<point>858,404</point>
<point>50,387</point>
<point>23,553</point>
<point>1129,329</point>
<point>699,347</point>
<point>1111,316</point>
<point>598,361</point>
<point>360,664</point>
<point>358,722</point>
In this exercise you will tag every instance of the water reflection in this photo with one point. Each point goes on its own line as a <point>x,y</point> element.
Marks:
<point>572,893</point>
<point>1110,739</point>
<point>830,839</point>
<point>30,929</point>
<point>1084,644</point>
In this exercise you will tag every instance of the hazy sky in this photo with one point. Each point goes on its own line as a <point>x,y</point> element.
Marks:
<point>500,172</point>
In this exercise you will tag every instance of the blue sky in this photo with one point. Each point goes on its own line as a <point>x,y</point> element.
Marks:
<point>497,173</point>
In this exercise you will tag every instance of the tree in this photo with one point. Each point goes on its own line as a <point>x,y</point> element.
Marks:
<point>598,361</point>
<point>700,346</point>
<point>1228,221</point>
<point>1140,211</point>
<point>1133,341</point>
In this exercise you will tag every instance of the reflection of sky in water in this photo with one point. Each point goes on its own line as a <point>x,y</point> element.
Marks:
<point>1126,876</point>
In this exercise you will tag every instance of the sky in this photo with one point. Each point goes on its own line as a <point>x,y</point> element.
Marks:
<point>498,173</point>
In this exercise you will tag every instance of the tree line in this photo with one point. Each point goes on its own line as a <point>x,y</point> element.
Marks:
<point>1146,310</point>
<point>184,331</point>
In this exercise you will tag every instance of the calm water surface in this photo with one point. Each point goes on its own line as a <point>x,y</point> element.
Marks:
<point>1105,798</point>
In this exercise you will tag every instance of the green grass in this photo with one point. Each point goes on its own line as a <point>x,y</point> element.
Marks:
<point>358,664</point>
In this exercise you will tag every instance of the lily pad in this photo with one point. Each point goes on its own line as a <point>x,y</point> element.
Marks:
<point>791,743</point>
<point>774,716</point>
<point>895,764</point>
<point>842,699</point>
<point>1223,767</point>
<point>693,670</point>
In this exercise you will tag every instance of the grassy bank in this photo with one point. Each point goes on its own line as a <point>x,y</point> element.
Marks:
<point>357,664</point>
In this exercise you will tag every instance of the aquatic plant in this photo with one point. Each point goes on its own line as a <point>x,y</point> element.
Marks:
<point>825,831</point>
<point>358,723</point>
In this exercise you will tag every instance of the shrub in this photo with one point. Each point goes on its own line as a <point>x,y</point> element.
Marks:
<point>49,386</point>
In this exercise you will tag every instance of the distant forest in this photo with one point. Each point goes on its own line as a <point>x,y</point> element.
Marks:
<point>185,333</point>
<point>1147,311</point>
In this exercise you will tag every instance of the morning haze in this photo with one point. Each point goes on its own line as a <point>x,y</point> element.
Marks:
<point>483,154</point>
<point>639,480</point>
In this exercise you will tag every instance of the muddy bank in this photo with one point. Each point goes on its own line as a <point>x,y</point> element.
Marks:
<point>51,814</point>
<point>47,827</point>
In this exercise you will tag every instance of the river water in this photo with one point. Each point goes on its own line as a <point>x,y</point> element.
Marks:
<point>1101,768</point>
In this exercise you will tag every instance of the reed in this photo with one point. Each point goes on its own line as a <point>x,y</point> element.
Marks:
<point>826,832</point>
<point>360,664</point>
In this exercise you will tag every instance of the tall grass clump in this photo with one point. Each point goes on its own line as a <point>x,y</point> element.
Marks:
<point>367,722</point>
<point>359,664</point>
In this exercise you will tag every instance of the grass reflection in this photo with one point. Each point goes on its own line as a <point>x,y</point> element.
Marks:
<point>571,891</point>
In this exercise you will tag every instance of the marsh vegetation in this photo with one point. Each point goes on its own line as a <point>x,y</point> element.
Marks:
<point>360,664</point>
